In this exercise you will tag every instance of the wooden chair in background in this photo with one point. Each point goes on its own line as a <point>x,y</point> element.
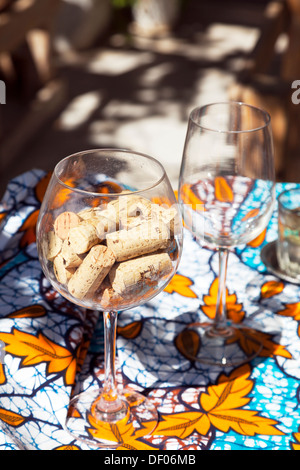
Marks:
<point>271,89</point>
<point>27,69</point>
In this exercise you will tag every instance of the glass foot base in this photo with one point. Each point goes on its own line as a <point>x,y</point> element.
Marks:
<point>134,416</point>
<point>229,346</point>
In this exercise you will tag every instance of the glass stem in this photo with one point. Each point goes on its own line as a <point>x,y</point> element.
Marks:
<point>220,325</point>
<point>109,401</point>
<point>110,330</point>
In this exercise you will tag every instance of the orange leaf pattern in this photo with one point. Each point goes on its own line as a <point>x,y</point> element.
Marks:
<point>30,311</point>
<point>188,343</point>
<point>49,345</point>
<point>29,229</point>
<point>271,288</point>
<point>234,309</point>
<point>38,349</point>
<point>11,418</point>
<point>221,408</point>
<point>189,197</point>
<point>269,347</point>
<point>2,375</point>
<point>296,445</point>
<point>181,285</point>
<point>68,447</point>
<point>258,241</point>
<point>130,331</point>
<point>291,310</point>
<point>124,428</point>
<point>223,191</point>
<point>236,314</point>
<point>223,404</point>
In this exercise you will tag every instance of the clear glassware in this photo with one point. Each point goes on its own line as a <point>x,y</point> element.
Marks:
<point>227,193</point>
<point>109,251</point>
<point>288,243</point>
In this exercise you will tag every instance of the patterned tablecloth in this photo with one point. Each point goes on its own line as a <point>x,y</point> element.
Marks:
<point>48,343</point>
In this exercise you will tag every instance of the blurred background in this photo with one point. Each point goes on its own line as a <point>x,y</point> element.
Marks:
<point>81,74</point>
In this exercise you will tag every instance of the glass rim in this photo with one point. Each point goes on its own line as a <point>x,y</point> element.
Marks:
<point>263,112</point>
<point>284,193</point>
<point>103,150</point>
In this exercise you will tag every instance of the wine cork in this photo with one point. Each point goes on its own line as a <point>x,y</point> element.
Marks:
<point>138,273</point>
<point>72,259</point>
<point>86,213</point>
<point>105,218</point>
<point>107,297</point>
<point>130,206</point>
<point>168,215</point>
<point>52,246</point>
<point>90,212</point>
<point>92,271</point>
<point>126,223</point>
<point>62,273</point>
<point>139,207</point>
<point>145,238</point>
<point>83,237</point>
<point>109,213</point>
<point>64,222</point>
<point>171,218</point>
<point>116,207</point>
<point>104,225</point>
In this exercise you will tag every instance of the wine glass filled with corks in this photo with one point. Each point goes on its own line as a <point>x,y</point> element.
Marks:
<point>109,238</point>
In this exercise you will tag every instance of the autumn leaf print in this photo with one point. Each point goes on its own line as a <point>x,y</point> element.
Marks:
<point>223,404</point>
<point>107,187</point>
<point>250,341</point>
<point>63,194</point>
<point>188,343</point>
<point>29,229</point>
<point>11,418</point>
<point>181,285</point>
<point>2,375</point>
<point>221,408</point>
<point>271,288</point>
<point>251,214</point>
<point>130,331</point>
<point>32,311</point>
<point>258,241</point>
<point>223,191</point>
<point>292,310</point>
<point>41,187</point>
<point>234,309</point>
<point>294,445</point>
<point>189,197</point>
<point>123,431</point>
<point>2,216</point>
<point>161,201</point>
<point>182,425</point>
<point>81,353</point>
<point>37,349</point>
<point>67,447</point>
<point>29,224</point>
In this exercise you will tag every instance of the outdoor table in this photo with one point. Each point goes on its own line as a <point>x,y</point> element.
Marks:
<point>47,343</point>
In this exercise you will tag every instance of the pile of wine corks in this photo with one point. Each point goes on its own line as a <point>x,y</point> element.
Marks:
<point>108,253</point>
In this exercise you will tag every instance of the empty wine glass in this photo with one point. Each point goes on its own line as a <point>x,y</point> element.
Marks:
<point>227,192</point>
<point>109,250</point>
